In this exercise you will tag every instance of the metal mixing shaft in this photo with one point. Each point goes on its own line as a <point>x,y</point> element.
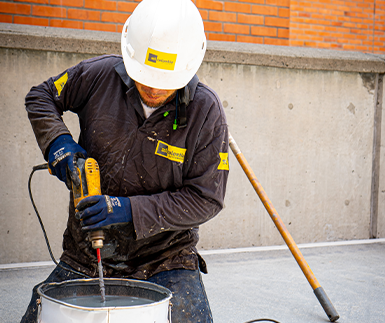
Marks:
<point>97,238</point>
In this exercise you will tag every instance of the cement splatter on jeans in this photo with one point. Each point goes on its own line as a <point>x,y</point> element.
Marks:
<point>189,300</point>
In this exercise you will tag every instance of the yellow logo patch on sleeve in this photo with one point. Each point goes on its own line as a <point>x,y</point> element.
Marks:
<point>170,152</point>
<point>60,83</point>
<point>224,163</point>
<point>161,60</point>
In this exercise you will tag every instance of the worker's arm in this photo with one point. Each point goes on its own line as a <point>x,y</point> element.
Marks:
<point>69,91</point>
<point>45,105</point>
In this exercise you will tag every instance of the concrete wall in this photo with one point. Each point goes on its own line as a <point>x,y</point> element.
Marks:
<point>308,121</point>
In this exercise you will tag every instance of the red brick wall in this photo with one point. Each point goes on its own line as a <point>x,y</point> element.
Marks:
<point>250,21</point>
<point>101,15</point>
<point>345,25</point>
<point>357,25</point>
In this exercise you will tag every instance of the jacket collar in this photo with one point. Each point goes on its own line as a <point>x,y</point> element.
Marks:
<point>121,70</point>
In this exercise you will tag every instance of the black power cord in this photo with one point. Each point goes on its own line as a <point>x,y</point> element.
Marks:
<point>34,169</point>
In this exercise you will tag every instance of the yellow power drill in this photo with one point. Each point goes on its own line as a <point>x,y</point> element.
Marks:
<point>89,175</point>
<point>88,170</point>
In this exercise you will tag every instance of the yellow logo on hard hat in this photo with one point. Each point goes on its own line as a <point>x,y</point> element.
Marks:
<point>59,83</point>
<point>224,163</point>
<point>161,60</point>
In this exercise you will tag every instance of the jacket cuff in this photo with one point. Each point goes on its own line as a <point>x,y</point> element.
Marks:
<point>137,219</point>
<point>46,142</point>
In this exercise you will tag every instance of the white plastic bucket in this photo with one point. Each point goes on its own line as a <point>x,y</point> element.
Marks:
<point>54,310</point>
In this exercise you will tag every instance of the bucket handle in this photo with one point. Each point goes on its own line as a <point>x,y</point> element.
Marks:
<point>169,311</point>
<point>38,303</point>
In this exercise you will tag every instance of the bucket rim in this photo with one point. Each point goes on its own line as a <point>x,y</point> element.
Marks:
<point>128,282</point>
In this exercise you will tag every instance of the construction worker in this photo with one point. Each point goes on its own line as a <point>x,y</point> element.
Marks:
<point>161,141</point>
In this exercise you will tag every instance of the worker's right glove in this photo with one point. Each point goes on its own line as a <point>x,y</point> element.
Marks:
<point>102,211</point>
<point>63,153</point>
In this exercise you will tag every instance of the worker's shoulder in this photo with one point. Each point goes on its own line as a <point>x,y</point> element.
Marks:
<point>203,91</point>
<point>104,61</point>
<point>208,99</point>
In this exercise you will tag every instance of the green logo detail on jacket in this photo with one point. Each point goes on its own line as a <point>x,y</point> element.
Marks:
<point>170,152</point>
<point>224,163</point>
<point>60,83</point>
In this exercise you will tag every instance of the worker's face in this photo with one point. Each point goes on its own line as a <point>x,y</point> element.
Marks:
<point>154,97</point>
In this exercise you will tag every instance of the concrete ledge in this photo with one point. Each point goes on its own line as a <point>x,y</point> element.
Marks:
<point>98,43</point>
<point>294,57</point>
<point>59,39</point>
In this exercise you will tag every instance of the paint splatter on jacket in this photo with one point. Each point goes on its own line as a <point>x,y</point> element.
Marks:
<point>176,179</point>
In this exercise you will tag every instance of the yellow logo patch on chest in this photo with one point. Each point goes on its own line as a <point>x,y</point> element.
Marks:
<point>170,152</point>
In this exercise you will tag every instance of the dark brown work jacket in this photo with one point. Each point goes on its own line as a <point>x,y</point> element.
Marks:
<point>175,179</point>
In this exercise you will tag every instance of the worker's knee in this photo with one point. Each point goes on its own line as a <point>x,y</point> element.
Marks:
<point>189,301</point>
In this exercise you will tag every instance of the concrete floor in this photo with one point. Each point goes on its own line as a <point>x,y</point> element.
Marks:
<point>249,284</point>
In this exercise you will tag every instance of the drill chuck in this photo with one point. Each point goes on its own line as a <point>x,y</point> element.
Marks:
<point>97,238</point>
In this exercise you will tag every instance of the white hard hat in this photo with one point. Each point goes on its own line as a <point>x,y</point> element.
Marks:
<point>163,43</point>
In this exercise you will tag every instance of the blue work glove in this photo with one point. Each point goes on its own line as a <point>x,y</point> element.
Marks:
<point>102,211</point>
<point>63,153</point>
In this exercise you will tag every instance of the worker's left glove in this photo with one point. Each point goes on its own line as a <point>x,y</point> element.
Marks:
<point>63,153</point>
<point>102,211</point>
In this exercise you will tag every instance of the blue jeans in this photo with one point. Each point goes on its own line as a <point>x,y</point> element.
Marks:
<point>189,300</point>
